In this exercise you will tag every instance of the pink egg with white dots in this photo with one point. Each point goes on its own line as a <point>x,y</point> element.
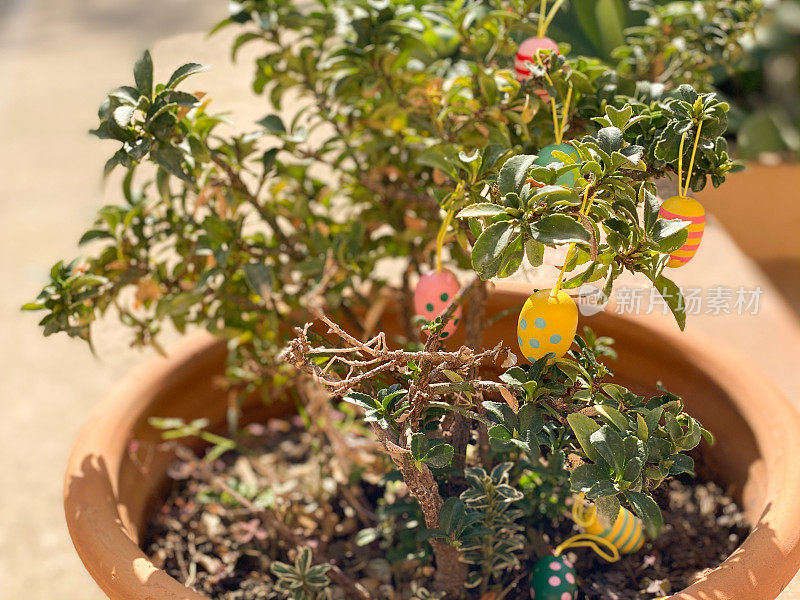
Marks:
<point>434,293</point>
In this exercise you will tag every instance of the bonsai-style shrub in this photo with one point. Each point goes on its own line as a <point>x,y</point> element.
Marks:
<point>410,137</point>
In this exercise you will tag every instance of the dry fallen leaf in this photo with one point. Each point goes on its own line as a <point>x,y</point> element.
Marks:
<point>510,398</point>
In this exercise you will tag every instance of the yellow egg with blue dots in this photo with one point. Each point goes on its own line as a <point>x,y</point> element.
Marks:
<point>547,325</point>
<point>626,534</point>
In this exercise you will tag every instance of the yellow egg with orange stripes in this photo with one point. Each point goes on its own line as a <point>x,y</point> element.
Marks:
<point>546,325</point>
<point>626,534</point>
<point>685,209</point>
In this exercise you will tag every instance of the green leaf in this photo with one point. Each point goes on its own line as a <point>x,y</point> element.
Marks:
<point>452,514</point>
<point>610,446</point>
<point>559,229</point>
<point>481,209</point>
<point>171,159</point>
<point>268,159</point>
<point>647,510</point>
<point>273,124</point>
<point>584,427</point>
<point>489,248</point>
<point>534,251</point>
<point>180,98</point>
<point>500,432</point>
<point>592,480</point>
<point>607,510</point>
<point>419,446</point>
<point>437,158</point>
<point>663,228</point>
<point>672,295</point>
<point>94,234</point>
<point>651,206</point>
<point>183,72</point>
<point>514,172</point>
<point>259,278</point>
<point>681,463</point>
<point>362,400</point>
<point>143,74</point>
<point>610,139</point>
<point>613,416</point>
<point>439,456</point>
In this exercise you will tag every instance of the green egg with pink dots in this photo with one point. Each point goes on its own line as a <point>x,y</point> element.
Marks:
<point>554,578</point>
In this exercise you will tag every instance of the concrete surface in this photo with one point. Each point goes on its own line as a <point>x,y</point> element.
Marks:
<point>57,59</point>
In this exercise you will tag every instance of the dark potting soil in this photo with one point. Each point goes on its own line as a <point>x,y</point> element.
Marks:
<point>204,537</point>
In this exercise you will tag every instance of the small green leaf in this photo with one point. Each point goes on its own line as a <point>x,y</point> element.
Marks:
<point>259,278</point>
<point>607,510</point>
<point>559,229</point>
<point>489,248</point>
<point>613,416</point>
<point>514,172</point>
<point>481,209</point>
<point>183,72</point>
<point>609,444</point>
<point>143,74</point>
<point>439,456</point>
<point>593,481</point>
<point>452,514</point>
<point>419,446</point>
<point>584,427</point>
<point>500,432</point>
<point>673,296</point>
<point>647,510</point>
<point>273,124</point>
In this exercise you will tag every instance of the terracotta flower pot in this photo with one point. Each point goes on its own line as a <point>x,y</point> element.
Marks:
<point>116,475</point>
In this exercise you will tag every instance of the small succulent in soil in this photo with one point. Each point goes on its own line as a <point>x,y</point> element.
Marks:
<point>403,143</point>
<point>302,580</point>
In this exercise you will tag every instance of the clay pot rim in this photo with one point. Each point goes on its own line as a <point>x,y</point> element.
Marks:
<point>773,420</point>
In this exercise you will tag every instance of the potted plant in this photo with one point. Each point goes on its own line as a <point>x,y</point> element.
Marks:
<point>469,418</point>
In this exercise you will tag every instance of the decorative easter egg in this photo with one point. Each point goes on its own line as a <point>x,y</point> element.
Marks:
<point>434,293</point>
<point>527,53</point>
<point>685,209</point>
<point>545,157</point>
<point>547,325</point>
<point>626,534</point>
<point>553,578</point>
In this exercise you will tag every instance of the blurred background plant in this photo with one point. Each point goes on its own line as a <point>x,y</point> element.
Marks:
<point>760,82</point>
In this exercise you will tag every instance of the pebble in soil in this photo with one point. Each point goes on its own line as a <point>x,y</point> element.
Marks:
<point>204,539</point>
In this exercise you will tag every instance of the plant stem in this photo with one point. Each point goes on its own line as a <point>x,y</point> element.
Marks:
<point>473,329</point>
<point>451,573</point>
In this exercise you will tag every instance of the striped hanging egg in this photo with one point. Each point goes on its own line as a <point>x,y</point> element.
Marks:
<point>626,534</point>
<point>434,292</point>
<point>554,578</point>
<point>527,53</point>
<point>685,209</point>
<point>545,157</point>
<point>546,325</point>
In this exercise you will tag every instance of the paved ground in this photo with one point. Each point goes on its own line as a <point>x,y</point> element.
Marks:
<point>56,61</point>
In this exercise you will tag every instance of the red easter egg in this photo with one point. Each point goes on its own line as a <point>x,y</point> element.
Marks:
<point>527,52</point>
<point>435,291</point>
